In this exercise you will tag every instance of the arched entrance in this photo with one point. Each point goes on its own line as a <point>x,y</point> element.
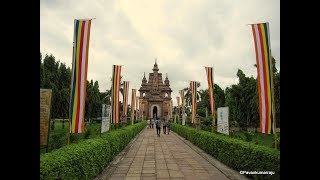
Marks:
<point>155,112</point>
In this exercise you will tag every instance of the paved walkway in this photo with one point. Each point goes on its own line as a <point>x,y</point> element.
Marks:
<point>164,157</point>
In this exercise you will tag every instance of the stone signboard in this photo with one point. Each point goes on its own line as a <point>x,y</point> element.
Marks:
<point>45,105</point>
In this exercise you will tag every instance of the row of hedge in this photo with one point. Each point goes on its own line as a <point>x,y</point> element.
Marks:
<point>235,153</point>
<point>86,159</point>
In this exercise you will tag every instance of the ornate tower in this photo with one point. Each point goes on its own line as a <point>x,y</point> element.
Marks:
<point>155,95</point>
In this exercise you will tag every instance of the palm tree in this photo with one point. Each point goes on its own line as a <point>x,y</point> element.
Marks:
<point>187,94</point>
<point>105,97</point>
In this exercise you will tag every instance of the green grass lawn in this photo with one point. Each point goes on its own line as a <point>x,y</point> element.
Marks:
<point>58,137</point>
<point>255,137</point>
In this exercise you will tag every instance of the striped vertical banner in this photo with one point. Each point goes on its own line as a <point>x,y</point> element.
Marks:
<point>193,87</point>
<point>140,109</point>
<point>115,92</point>
<point>264,73</point>
<point>125,97</point>
<point>168,116</point>
<point>78,88</point>
<point>209,74</point>
<point>171,106</point>
<point>133,101</point>
<point>178,102</point>
<point>137,103</point>
<point>182,100</point>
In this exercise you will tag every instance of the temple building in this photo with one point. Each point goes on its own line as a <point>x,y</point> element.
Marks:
<point>155,95</point>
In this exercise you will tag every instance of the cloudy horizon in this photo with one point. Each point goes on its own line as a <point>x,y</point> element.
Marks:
<point>183,36</point>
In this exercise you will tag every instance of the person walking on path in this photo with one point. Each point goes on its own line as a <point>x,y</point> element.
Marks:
<point>148,122</point>
<point>152,122</point>
<point>164,127</point>
<point>158,125</point>
<point>168,126</point>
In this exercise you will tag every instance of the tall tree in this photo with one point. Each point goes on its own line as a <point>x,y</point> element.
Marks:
<point>41,72</point>
<point>187,95</point>
<point>219,100</point>
<point>56,76</point>
<point>242,101</point>
<point>89,100</point>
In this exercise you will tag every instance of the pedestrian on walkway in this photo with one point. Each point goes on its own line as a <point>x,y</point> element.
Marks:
<point>168,126</point>
<point>152,122</point>
<point>164,126</point>
<point>148,122</point>
<point>158,125</point>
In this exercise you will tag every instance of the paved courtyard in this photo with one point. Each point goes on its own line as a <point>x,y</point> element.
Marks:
<point>164,157</point>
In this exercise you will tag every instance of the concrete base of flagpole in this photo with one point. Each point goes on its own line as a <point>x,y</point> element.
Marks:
<point>198,126</point>
<point>198,122</point>
<point>124,121</point>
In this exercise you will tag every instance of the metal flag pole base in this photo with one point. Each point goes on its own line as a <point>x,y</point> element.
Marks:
<point>69,133</point>
<point>213,124</point>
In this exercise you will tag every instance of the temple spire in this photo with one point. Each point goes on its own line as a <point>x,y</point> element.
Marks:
<point>155,66</point>
<point>166,81</point>
<point>144,80</point>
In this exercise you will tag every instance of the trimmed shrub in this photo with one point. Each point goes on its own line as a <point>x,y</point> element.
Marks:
<point>237,154</point>
<point>87,133</point>
<point>278,143</point>
<point>86,159</point>
<point>52,126</point>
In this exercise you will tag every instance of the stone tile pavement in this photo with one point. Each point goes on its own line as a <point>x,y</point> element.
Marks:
<point>165,157</point>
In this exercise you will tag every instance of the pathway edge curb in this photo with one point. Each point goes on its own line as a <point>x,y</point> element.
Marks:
<point>227,171</point>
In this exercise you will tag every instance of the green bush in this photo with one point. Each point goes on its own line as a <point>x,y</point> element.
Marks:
<point>52,125</point>
<point>248,136</point>
<point>235,153</point>
<point>62,124</point>
<point>58,142</point>
<point>87,133</point>
<point>86,159</point>
<point>278,143</point>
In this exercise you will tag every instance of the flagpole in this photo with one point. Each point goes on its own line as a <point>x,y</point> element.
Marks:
<point>72,64</point>
<point>101,119</point>
<point>255,23</point>
<point>273,104</point>
<point>212,129</point>
<point>111,103</point>
<point>119,114</point>
<point>85,19</point>
<point>70,95</point>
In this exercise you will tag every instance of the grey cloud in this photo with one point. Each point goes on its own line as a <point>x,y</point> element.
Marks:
<point>195,34</point>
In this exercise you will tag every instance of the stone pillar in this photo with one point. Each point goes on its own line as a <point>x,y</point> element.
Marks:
<point>197,122</point>
<point>124,121</point>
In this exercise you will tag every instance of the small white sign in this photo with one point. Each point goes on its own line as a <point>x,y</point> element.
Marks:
<point>184,118</point>
<point>105,121</point>
<point>223,120</point>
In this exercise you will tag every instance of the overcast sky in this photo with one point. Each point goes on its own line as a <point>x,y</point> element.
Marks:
<point>183,35</point>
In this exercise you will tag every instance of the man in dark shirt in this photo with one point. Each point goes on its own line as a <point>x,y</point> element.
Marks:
<point>158,125</point>
<point>168,126</point>
<point>164,127</point>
